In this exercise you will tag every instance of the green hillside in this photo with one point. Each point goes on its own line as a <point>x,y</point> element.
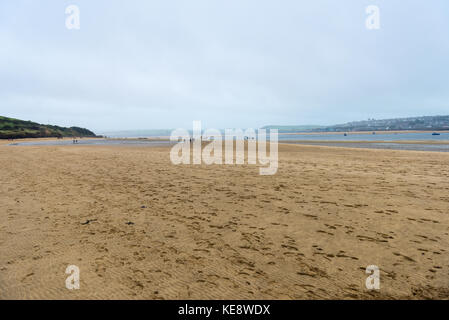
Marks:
<point>15,129</point>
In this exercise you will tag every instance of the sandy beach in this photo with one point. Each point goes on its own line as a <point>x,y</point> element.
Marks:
<point>140,227</point>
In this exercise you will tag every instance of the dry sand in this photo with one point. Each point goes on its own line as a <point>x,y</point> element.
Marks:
<point>160,231</point>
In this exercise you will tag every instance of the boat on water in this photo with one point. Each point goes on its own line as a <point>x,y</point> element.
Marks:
<point>435,134</point>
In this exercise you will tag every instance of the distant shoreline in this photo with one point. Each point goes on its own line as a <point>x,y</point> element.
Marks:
<point>364,132</point>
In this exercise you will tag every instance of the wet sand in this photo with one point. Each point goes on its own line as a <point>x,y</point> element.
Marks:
<point>139,227</point>
<point>438,146</point>
<point>416,145</point>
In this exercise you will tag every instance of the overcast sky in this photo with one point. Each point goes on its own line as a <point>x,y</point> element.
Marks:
<point>147,64</point>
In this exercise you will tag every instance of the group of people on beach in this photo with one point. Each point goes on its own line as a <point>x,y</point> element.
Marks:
<point>205,139</point>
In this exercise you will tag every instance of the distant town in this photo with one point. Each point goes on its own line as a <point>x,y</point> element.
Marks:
<point>425,123</point>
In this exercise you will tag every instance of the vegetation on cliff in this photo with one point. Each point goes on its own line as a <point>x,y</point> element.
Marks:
<point>15,129</point>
